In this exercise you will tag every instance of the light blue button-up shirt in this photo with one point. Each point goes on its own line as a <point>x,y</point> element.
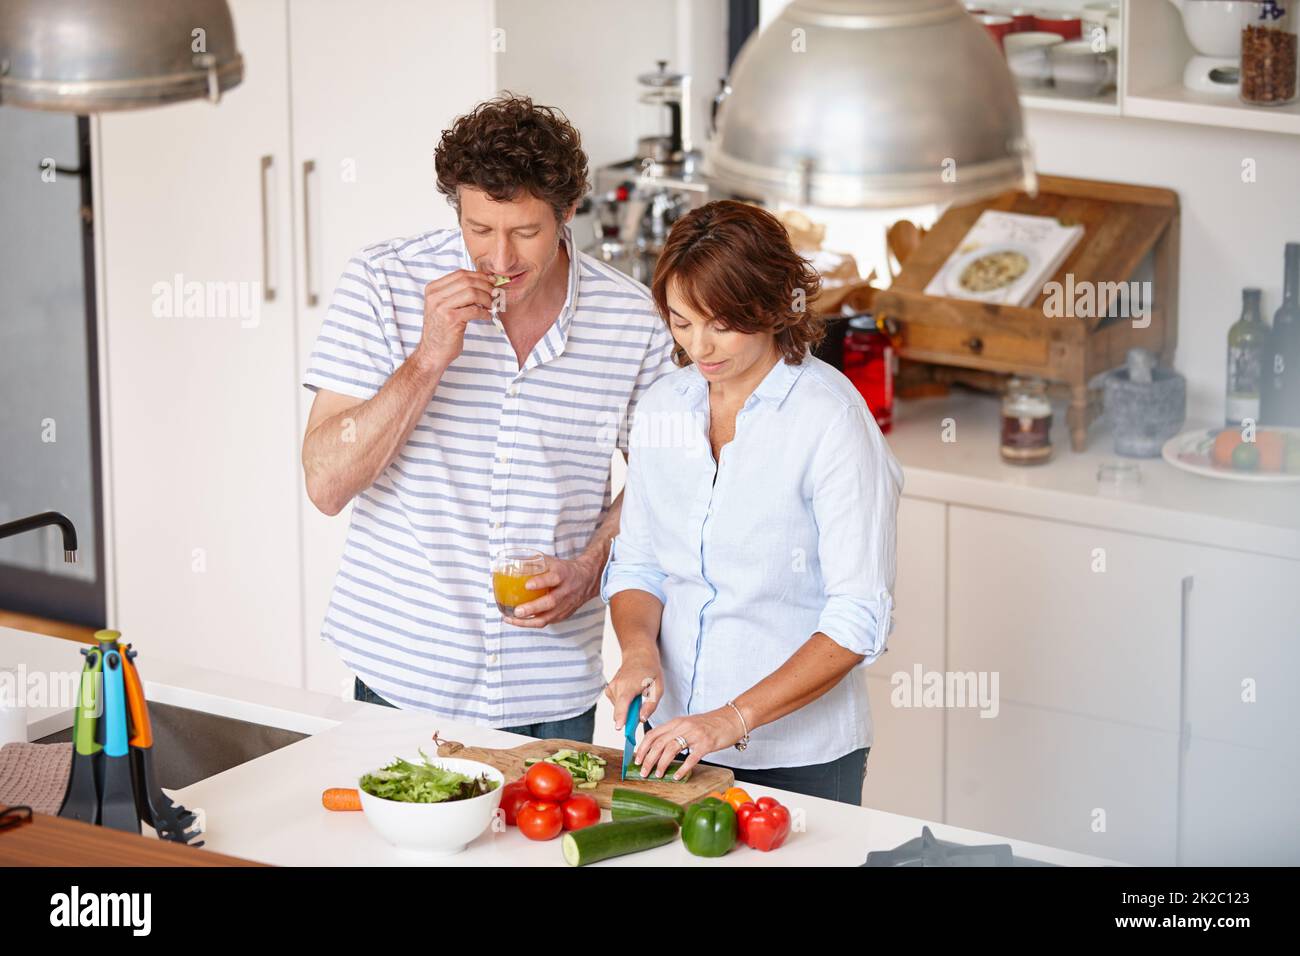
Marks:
<point>796,535</point>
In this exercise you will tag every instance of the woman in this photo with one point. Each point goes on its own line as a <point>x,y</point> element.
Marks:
<point>749,587</point>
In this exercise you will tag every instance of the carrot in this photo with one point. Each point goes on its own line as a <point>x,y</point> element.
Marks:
<point>341,798</point>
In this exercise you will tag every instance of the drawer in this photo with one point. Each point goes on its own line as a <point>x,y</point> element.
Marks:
<point>966,343</point>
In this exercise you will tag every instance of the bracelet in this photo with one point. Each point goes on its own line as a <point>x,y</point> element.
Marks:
<point>743,742</point>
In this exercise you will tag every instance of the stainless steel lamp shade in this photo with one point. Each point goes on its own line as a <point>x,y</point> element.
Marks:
<point>85,56</point>
<point>871,103</point>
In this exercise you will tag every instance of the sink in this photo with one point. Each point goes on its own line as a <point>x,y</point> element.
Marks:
<point>191,745</point>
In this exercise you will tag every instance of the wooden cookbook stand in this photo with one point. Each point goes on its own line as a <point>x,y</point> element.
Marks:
<point>1122,224</point>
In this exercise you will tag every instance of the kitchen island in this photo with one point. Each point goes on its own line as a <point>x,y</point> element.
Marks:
<point>269,809</point>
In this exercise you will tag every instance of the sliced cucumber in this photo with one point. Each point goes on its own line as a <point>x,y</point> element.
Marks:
<point>607,840</point>
<point>634,773</point>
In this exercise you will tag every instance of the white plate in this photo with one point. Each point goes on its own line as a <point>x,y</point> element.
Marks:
<point>1190,451</point>
<point>952,279</point>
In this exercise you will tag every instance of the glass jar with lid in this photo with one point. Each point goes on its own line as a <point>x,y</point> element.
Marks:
<point>1026,422</point>
<point>1268,52</point>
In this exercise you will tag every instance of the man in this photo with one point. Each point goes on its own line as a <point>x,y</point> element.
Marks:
<point>471,386</point>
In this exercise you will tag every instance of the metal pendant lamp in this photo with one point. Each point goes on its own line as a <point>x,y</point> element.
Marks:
<point>871,104</point>
<point>87,56</point>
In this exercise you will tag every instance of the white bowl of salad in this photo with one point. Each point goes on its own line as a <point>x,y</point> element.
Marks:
<point>432,807</point>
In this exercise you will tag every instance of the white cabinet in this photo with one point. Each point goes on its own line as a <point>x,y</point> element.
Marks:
<point>373,85</point>
<point>216,544</point>
<point>1082,629</point>
<point>1066,780</point>
<point>1144,711</point>
<point>1242,753</point>
<point>202,443</point>
<point>905,766</point>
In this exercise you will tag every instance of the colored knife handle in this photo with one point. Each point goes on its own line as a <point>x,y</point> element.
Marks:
<point>88,705</point>
<point>633,722</point>
<point>115,744</point>
<point>141,729</point>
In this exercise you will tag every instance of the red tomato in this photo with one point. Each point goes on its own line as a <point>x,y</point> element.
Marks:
<point>540,820</point>
<point>580,810</point>
<point>549,782</point>
<point>513,796</point>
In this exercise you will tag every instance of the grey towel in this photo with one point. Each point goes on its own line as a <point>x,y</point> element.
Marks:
<point>35,775</point>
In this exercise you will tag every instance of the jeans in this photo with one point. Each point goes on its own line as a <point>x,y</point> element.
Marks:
<point>840,780</point>
<point>578,728</point>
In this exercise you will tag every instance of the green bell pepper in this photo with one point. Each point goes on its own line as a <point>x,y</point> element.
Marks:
<point>709,827</point>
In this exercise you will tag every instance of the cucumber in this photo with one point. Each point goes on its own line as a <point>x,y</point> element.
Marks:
<point>618,838</point>
<point>634,773</point>
<point>628,804</point>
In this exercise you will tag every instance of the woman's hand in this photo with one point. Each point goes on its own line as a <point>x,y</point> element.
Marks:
<point>640,673</point>
<point>704,734</point>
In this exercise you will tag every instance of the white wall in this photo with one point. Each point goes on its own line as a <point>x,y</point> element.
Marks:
<point>1232,232</point>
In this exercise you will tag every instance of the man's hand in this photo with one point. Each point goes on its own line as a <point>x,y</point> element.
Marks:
<point>572,582</point>
<point>451,303</point>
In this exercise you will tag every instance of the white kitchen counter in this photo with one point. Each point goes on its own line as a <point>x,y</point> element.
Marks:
<point>269,809</point>
<point>1170,503</point>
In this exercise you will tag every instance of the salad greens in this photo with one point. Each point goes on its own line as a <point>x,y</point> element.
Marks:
<point>424,783</point>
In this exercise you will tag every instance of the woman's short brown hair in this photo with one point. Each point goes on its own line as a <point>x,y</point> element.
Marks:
<point>508,144</point>
<point>734,263</point>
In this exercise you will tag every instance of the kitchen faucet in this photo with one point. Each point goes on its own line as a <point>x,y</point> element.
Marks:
<point>41,520</point>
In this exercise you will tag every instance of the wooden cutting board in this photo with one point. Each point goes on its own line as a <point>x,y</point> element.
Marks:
<point>511,763</point>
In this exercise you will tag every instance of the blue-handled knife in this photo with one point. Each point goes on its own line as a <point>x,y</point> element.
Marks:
<point>629,733</point>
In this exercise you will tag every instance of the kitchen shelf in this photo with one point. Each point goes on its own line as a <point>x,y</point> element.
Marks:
<point>1177,104</point>
<point>1107,105</point>
<point>1153,52</point>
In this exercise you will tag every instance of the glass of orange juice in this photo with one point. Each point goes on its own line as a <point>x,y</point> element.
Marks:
<point>511,569</point>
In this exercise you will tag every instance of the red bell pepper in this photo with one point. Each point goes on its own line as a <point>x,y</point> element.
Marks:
<point>763,825</point>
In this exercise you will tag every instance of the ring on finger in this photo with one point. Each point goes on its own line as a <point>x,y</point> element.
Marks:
<point>682,744</point>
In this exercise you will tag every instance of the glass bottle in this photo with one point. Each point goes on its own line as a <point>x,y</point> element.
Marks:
<point>1280,389</point>
<point>1247,343</point>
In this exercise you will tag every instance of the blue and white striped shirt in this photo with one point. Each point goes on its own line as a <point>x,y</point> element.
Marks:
<point>796,535</point>
<point>502,457</point>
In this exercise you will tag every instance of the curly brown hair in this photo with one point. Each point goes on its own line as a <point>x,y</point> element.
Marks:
<point>508,144</point>
<point>734,263</point>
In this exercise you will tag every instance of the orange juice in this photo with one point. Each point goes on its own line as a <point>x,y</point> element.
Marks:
<point>510,592</point>
<point>511,570</point>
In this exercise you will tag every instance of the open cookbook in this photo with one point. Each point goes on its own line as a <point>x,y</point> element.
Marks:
<point>1005,258</point>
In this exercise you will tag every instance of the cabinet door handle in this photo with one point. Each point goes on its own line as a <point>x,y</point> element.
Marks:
<point>1184,729</point>
<point>268,284</point>
<point>308,167</point>
<point>975,344</point>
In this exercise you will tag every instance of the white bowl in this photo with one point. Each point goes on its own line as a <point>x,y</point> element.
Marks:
<point>1027,56</point>
<point>435,829</point>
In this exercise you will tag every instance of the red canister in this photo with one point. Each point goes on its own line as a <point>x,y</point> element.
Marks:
<point>869,365</point>
<point>1022,19</point>
<point>1068,25</point>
